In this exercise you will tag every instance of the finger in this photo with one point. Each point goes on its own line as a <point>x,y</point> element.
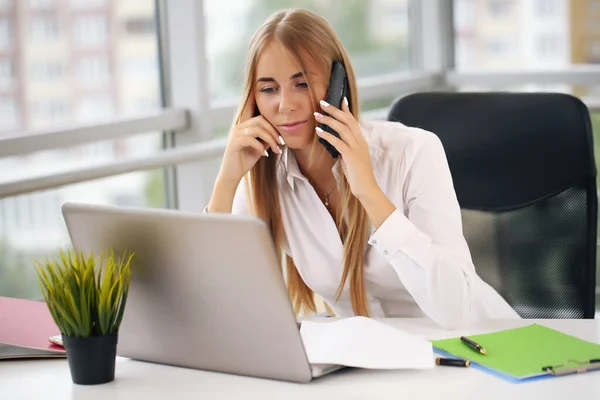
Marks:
<point>346,106</point>
<point>250,108</point>
<point>337,126</point>
<point>268,139</point>
<point>334,141</point>
<point>259,147</point>
<point>256,131</point>
<point>271,129</point>
<point>336,113</point>
<point>357,133</point>
<point>345,116</point>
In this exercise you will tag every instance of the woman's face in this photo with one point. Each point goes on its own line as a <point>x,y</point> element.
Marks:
<point>282,95</point>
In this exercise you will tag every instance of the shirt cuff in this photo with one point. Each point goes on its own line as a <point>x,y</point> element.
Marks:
<point>399,234</point>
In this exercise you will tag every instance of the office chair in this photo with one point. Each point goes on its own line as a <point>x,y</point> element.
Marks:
<point>524,173</point>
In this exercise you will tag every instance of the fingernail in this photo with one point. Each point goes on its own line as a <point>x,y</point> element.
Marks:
<point>318,115</point>
<point>266,153</point>
<point>281,140</point>
<point>319,129</point>
<point>345,100</point>
<point>324,103</point>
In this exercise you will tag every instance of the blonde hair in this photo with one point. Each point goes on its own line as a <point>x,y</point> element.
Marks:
<point>303,30</point>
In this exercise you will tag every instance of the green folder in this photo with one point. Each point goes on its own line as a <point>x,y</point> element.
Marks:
<point>523,353</point>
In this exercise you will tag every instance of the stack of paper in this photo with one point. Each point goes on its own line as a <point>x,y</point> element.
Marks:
<point>364,343</point>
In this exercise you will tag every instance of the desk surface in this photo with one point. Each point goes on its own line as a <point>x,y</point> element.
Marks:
<point>50,379</point>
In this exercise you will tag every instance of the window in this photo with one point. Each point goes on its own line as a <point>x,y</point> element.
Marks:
<point>548,46</point>
<point>140,26</point>
<point>375,33</point>
<point>499,8</point>
<point>31,225</point>
<point>49,111</point>
<point>84,4</point>
<point>95,108</point>
<point>90,31</point>
<point>6,73</point>
<point>8,114</point>
<point>466,51</point>
<point>546,8</point>
<point>140,68</point>
<point>465,14</point>
<point>6,33</point>
<point>46,70</point>
<point>92,72</point>
<point>41,4</point>
<point>497,46</point>
<point>548,34</point>
<point>44,28</point>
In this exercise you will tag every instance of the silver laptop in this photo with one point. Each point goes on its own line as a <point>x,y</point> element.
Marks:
<point>206,290</point>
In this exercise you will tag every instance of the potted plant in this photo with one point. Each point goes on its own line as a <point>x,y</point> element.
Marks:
<point>86,296</point>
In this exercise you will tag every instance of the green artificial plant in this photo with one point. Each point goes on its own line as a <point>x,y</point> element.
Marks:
<point>86,295</point>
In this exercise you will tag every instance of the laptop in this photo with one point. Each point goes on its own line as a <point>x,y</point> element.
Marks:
<point>206,290</point>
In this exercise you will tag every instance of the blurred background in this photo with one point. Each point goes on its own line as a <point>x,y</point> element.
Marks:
<point>128,102</point>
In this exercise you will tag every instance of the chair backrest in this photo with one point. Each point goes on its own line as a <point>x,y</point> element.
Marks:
<point>524,173</point>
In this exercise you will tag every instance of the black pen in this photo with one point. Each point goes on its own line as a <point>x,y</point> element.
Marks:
<point>452,362</point>
<point>473,345</point>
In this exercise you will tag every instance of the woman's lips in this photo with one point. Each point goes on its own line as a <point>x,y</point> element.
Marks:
<point>293,127</point>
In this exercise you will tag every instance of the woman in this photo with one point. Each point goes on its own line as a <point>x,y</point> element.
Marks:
<point>375,232</point>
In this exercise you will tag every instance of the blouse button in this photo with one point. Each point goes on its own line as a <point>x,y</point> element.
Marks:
<point>385,253</point>
<point>374,242</point>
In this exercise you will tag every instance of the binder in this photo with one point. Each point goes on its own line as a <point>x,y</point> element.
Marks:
<point>25,326</point>
<point>524,354</point>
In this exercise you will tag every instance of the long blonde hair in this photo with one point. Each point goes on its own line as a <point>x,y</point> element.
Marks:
<point>303,30</point>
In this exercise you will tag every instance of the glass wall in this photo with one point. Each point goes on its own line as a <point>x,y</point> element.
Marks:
<point>87,61</point>
<point>64,63</point>
<point>375,33</point>
<point>532,34</point>
<point>32,225</point>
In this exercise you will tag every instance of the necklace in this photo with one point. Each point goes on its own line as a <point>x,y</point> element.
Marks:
<point>327,197</point>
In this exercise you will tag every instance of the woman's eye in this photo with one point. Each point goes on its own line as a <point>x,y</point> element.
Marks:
<point>302,85</point>
<point>267,90</point>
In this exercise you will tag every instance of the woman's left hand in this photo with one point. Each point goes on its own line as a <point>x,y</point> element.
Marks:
<point>352,146</point>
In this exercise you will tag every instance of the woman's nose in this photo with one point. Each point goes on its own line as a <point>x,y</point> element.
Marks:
<point>286,102</point>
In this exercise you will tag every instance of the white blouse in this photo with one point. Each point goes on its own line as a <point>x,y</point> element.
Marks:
<point>418,263</point>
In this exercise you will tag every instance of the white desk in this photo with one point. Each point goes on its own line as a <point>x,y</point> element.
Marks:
<point>50,379</point>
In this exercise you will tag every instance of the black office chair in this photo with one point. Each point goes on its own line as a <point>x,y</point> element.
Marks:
<point>524,173</point>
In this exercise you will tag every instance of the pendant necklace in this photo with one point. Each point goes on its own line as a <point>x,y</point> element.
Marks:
<point>327,197</point>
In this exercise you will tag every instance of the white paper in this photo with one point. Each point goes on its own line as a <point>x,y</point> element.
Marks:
<point>364,343</point>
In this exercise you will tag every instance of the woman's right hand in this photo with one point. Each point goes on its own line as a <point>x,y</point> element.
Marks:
<point>248,141</point>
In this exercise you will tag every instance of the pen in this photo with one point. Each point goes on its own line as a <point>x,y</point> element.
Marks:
<point>451,362</point>
<point>473,345</point>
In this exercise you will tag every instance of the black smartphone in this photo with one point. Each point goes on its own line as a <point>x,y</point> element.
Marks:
<point>336,91</point>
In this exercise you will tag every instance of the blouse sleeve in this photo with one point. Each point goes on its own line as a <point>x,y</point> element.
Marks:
<point>425,243</point>
<point>240,200</point>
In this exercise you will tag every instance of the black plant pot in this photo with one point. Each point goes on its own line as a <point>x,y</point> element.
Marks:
<point>91,359</point>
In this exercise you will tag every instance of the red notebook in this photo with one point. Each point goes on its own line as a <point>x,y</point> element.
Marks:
<point>25,326</point>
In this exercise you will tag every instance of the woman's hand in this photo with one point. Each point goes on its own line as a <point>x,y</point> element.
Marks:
<point>354,150</point>
<point>248,141</point>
